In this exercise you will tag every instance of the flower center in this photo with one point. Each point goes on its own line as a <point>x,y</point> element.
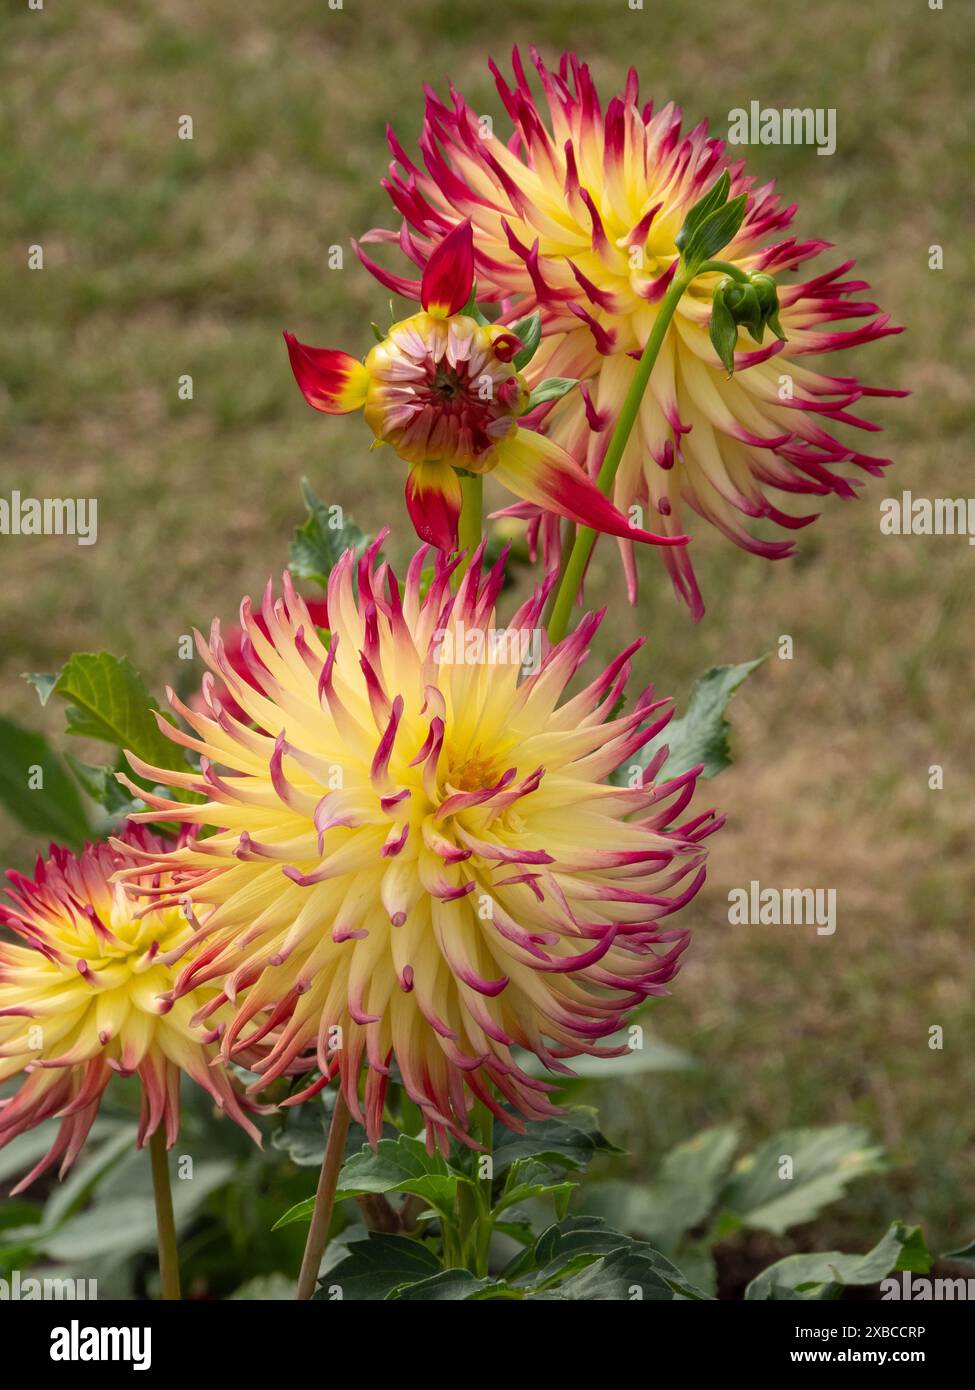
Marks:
<point>474,773</point>
<point>441,392</point>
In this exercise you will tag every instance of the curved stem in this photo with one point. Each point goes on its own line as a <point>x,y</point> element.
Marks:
<point>165,1220</point>
<point>324,1199</point>
<point>585,538</point>
<point>734,272</point>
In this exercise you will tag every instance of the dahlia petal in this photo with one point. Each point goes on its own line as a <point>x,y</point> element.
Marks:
<point>537,469</point>
<point>433,499</point>
<point>449,274</point>
<point>331,381</point>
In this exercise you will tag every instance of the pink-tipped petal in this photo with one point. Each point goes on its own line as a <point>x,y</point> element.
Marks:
<point>537,469</point>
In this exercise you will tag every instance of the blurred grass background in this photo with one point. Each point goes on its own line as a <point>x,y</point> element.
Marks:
<point>165,257</point>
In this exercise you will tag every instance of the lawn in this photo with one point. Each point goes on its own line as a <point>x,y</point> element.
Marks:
<point>165,257</point>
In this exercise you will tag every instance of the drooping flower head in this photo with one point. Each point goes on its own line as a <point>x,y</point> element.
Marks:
<point>442,390</point>
<point>577,215</point>
<point>84,993</point>
<point>419,858</point>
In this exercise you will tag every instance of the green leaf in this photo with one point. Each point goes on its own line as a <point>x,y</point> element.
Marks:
<point>401,1165</point>
<point>825,1274</point>
<point>966,1255</point>
<point>680,1198</point>
<point>701,735</point>
<point>634,1271</point>
<point>529,330</point>
<point>712,200</point>
<point>571,1140</point>
<point>528,1179</point>
<point>119,1226</point>
<point>52,810</point>
<point>373,1268</point>
<point>42,681</point>
<point>553,388</point>
<point>101,784</point>
<point>564,1248</point>
<point>108,700</point>
<point>319,543</point>
<point>714,232</point>
<point>452,1285</point>
<point>824,1163</point>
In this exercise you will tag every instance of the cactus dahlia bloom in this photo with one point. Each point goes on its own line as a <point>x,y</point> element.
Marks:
<point>576,215</point>
<point>420,860</point>
<point>442,391</point>
<point>83,994</point>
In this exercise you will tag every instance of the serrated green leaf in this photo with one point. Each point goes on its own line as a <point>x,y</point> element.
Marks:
<point>571,1140</point>
<point>701,735</point>
<point>825,1274</point>
<point>451,1285</point>
<point>318,544</point>
<point>633,1271</point>
<point>401,1165</point>
<point>53,810</point>
<point>374,1267</point>
<point>108,700</point>
<point>824,1163</point>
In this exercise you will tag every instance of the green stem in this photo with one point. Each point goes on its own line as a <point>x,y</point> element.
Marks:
<point>324,1199</point>
<point>585,538</point>
<point>165,1220</point>
<point>469,526</point>
<point>725,268</point>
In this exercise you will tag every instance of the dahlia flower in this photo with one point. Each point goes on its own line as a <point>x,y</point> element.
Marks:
<point>239,654</point>
<point>576,215</point>
<point>85,993</point>
<point>417,857</point>
<point>441,389</point>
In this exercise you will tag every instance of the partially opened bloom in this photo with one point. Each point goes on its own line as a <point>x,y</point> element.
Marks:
<point>84,993</point>
<point>577,214</point>
<point>442,391</point>
<point>420,860</point>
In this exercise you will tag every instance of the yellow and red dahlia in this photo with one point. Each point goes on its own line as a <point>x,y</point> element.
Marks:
<point>85,992</point>
<point>442,390</point>
<point>577,214</point>
<point>418,859</point>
